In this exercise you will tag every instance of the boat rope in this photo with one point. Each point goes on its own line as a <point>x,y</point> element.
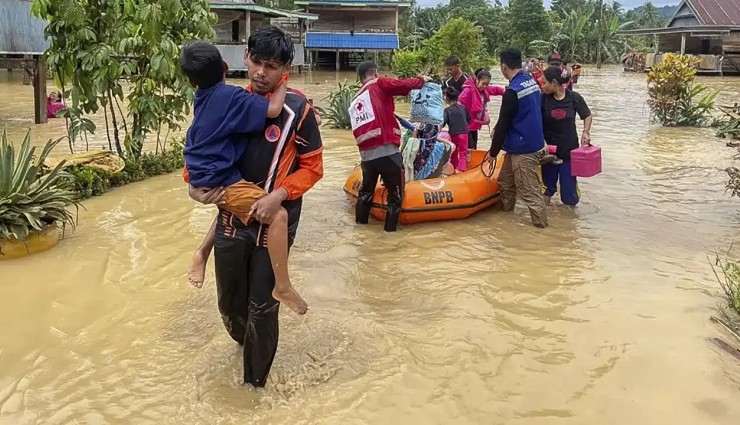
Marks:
<point>491,168</point>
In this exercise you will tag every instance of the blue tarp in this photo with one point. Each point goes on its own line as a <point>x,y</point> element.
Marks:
<point>316,40</point>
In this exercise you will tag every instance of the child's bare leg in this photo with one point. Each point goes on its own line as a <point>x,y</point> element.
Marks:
<point>197,270</point>
<point>277,246</point>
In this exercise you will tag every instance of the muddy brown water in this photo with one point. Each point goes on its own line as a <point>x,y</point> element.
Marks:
<point>602,318</point>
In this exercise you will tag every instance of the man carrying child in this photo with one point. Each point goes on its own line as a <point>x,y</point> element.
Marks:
<point>275,165</point>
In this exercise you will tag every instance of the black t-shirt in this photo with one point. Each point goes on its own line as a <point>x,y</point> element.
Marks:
<point>457,84</point>
<point>559,121</point>
<point>456,119</point>
<point>274,154</point>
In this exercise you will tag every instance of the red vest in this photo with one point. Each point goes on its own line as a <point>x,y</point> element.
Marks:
<point>372,111</point>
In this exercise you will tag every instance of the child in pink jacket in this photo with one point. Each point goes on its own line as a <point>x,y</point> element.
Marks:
<point>475,96</point>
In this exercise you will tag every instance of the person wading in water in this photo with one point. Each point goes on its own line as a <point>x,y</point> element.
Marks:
<point>519,132</point>
<point>374,125</point>
<point>285,160</point>
<point>559,109</point>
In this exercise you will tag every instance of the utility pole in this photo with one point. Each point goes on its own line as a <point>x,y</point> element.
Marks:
<point>600,24</point>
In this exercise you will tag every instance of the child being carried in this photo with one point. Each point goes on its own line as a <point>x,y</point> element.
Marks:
<point>222,114</point>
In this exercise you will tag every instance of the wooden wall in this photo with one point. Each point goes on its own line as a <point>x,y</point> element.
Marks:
<point>377,20</point>
<point>731,43</point>
<point>223,28</point>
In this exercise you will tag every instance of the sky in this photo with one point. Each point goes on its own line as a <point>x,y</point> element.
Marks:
<point>627,4</point>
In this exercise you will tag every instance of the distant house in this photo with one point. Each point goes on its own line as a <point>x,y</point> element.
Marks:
<point>347,30</point>
<point>238,18</point>
<point>709,29</point>
<point>21,46</point>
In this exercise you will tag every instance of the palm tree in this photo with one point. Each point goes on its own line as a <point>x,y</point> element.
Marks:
<point>650,17</point>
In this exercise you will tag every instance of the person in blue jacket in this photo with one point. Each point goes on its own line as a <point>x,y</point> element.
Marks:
<point>519,133</point>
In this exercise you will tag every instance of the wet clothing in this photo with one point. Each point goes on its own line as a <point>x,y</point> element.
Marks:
<point>456,84</point>
<point>519,132</point>
<point>456,119</point>
<point>286,153</point>
<point>222,114</point>
<point>519,176</point>
<point>376,132</point>
<point>559,124</point>
<point>391,169</point>
<point>372,115</point>
<point>559,121</point>
<point>53,107</point>
<point>519,126</point>
<point>552,174</point>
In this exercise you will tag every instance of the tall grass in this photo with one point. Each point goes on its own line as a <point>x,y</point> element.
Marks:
<point>727,272</point>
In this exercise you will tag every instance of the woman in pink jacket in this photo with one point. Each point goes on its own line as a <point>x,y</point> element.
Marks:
<point>474,97</point>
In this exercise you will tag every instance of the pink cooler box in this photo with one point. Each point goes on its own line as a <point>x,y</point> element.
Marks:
<point>585,161</point>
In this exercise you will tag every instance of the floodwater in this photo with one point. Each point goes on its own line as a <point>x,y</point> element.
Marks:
<point>601,319</point>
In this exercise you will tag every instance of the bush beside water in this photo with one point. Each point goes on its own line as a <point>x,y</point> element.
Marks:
<point>673,97</point>
<point>89,181</point>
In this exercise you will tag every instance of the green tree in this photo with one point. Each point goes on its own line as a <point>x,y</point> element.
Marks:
<point>528,22</point>
<point>457,37</point>
<point>650,17</point>
<point>563,8</point>
<point>96,43</point>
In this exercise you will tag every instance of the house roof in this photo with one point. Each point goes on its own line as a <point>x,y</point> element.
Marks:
<point>693,30</point>
<point>354,3</point>
<point>714,12</point>
<point>714,17</point>
<point>262,10</point>
<point>347,41</point>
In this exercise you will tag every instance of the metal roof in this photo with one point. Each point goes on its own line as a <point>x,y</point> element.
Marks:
<point>347,41</point>
<point>716,12</point>
<point>262,10</point>
<point>701,29</point>
<point>353,3</point>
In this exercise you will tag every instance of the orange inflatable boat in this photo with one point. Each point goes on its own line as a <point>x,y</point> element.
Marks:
<point>448,198</point>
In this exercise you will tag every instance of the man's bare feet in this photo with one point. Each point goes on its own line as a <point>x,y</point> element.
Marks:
<point>197,270</point>
<point>548,200</point>
<point>291,299</point>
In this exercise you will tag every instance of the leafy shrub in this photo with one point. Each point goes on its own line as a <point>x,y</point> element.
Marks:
<point>337,114</point>
<point>88,181</point>
<point>729,126</point>
<point>406,63</point>
<point>673,96</point>
<point>31,199</point>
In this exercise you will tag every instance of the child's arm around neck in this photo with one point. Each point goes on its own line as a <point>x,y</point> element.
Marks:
<point>277,99</point>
